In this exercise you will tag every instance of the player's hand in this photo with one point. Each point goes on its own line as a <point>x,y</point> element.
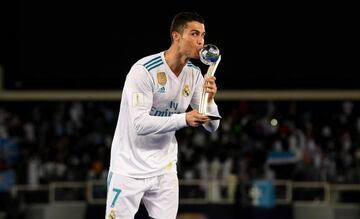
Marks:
<point>210,87</point>
<point>194,118</point>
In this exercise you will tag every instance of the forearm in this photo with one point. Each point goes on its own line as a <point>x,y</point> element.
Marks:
<point>146,124</point>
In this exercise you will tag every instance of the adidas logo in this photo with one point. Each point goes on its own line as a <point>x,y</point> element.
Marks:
<point>161,90</point>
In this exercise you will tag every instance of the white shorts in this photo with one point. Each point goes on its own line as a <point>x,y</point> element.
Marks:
<point>160,195</point>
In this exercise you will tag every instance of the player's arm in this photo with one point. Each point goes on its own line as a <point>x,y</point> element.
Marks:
<point>212,108</point>
<point>138,90</point>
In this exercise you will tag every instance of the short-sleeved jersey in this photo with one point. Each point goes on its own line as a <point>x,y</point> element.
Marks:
<point>153,106</point>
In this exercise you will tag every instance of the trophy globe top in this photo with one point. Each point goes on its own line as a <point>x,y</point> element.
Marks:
<point>209,54</point>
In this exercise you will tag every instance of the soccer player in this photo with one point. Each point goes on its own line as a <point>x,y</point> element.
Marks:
<point>156,95</point>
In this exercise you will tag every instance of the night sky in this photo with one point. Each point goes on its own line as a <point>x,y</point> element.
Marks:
<point>92,45</point>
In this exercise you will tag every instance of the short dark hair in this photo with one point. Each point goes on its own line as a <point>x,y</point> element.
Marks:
<point>181,19</point>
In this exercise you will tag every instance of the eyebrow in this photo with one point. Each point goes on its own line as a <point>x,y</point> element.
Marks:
<point>194,30</point>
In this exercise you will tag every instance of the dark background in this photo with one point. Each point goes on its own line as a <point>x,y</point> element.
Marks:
<point>92,45</point>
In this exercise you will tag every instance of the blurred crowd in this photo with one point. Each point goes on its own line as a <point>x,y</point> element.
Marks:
<point>41,142</point>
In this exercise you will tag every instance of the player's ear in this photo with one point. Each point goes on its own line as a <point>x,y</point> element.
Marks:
<point>175,35</point>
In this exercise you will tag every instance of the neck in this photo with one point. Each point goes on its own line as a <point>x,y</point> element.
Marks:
<point>175,60</point>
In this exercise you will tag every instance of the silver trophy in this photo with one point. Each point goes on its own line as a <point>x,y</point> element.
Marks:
<point>209,55</point>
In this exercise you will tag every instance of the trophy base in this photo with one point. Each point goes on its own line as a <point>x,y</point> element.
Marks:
<point>213,117</point>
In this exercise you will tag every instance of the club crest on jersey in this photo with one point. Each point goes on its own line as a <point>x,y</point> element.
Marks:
<point>161,77</point>
<point>186,90</point>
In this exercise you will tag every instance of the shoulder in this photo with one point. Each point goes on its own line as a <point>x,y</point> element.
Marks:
<point>150,62</point>
<point>191,66</point>
<point>140,71</point>
<point>194,71</point>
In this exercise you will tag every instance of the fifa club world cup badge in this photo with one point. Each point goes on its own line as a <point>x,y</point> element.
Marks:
<point>112,214</point>
<point>186,90</point>
<point>161,77</point>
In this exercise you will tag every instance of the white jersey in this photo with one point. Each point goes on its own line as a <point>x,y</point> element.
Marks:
<point>153,105</point>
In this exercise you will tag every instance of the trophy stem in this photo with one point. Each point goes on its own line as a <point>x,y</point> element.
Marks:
<point>203,102</point>
<point>212,68</point>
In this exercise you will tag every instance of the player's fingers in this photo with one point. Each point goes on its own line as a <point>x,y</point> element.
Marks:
<point>209,86</point>
<point>210,78</point>
<point>211,89</point>
<point>202,118</point>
